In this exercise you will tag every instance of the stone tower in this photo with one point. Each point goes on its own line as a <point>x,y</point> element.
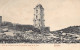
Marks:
<point>39,17</point>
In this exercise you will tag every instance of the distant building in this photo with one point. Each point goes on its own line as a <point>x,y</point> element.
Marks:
<point>39,18</point>
<point>0,22</point>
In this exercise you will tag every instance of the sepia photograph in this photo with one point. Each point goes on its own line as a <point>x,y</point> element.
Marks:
<point>39,21</point>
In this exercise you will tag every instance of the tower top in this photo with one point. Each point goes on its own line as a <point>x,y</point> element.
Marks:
<point>39,6</point>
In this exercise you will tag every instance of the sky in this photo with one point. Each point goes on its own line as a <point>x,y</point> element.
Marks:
<point>58,14</point>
